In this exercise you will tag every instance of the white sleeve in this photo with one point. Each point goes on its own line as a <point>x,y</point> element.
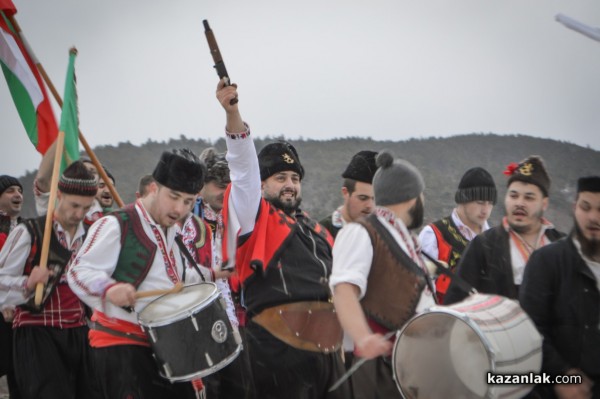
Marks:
<point>352,257</point>
<point>13,257</point>
<point>91,270</point>
<point>245,182</point>
<point>225,291</point>
<point>429,243</point>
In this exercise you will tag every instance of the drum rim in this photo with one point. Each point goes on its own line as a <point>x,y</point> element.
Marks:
<point>459,315</point>
<point>183,315</point>
<point>211,370</point>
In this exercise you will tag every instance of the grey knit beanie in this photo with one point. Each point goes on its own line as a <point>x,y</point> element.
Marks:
<point>396,181</point>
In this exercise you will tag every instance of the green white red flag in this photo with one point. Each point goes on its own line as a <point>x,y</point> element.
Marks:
<point>25,83</point>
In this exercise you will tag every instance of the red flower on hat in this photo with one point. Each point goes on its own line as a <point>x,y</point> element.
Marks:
<point>510,169</point>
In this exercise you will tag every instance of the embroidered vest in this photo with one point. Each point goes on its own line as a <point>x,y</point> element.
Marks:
<point>202,242</point>
<point>451,245</point>
<point>137,250</point>
<point>58,258</point>
<point>271,230</point>
<point>395,281</point>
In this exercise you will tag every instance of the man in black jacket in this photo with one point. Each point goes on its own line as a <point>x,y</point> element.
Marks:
<point>494,261</point>
<point>561,293</point>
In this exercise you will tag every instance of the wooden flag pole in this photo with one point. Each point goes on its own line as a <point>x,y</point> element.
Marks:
<point>58,99</point>
<point>60,143</point>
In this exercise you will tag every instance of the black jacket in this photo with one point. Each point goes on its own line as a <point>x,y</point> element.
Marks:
<point>486,265</point>
<point>560,294</point>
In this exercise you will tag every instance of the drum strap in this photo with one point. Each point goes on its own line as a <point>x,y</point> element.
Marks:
<point>94,325</point>
<point>184,251</point>
<point>459,281</point>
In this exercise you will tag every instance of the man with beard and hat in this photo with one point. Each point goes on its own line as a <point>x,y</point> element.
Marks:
<point>283,259</point>
<point>51,353</point>
<point>134,249</point>
<point>495,260</point>
<point>11,202</point>
<point>379,278</point>
<point>447,238</point>
<point>561,294</point>
<point>357,190</point>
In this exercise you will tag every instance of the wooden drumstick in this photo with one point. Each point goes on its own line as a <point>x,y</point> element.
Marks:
<point>144,294</point>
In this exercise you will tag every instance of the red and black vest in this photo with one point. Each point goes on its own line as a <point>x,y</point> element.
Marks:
<point>284,259</point>
<point>451,245</point>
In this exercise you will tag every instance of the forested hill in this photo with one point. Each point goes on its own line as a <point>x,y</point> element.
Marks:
<point>442,161</point>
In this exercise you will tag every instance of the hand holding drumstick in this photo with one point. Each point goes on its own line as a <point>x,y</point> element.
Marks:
<point>124,294</point>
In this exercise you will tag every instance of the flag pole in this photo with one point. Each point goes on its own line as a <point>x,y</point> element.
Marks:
<point>58,99</point>
<point>60,143</point>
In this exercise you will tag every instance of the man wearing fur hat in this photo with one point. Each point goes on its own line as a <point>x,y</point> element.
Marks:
<point>134,249</point>
<point>447,238</point>
<point>52,357</point>
<point>11,202</point>
<point>561,293</point>
<point>495,260</point>
<point>357,190</point>
<point>379,278</point>
<point>283,259</point>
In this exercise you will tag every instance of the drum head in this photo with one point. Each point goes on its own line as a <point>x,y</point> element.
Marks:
<point>176,306</point>
<point>440,355</point>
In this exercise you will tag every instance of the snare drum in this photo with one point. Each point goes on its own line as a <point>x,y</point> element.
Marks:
<point>447,351</point>
<point>190,333</point>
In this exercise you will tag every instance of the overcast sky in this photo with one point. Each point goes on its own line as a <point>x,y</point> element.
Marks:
<point>386,69</point>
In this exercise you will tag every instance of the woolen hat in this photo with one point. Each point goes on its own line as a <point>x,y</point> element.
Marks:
<point>180,170</point>
<point>530,170</point>
<point>396,181</point>
<point>7,181</point>
<point>590,184</point>
<point>216,165</point>
<point>77,180</point>
<point>476,185</point>
<point>278,157</point>
<point>362,167</point>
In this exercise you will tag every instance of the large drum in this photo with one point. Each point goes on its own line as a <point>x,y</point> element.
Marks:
<point>190,333</point>
<point>448,351</point>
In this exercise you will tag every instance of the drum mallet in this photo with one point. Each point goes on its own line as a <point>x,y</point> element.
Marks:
<point>144,294</point>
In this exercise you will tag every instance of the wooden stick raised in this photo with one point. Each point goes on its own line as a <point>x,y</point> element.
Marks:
<point>144,294</point>
<point>60,143</point>
<point>59,101</point>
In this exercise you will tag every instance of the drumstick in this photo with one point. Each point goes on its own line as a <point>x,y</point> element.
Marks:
<point>144,294</point>
<point>356,366</point>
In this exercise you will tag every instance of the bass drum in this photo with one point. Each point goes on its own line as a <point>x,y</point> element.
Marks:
<point>190,333</point>
<point>448,351</point>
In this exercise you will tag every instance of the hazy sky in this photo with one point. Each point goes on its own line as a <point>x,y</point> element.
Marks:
<point>388,69</point>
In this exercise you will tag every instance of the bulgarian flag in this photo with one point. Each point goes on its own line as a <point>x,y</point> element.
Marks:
<point>25,83</point>
<point>69,118</point>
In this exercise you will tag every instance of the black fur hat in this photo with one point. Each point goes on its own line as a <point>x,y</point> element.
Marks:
<point>361,167</point>
<point>180,170</point>
<point>278,157</point>
<point>589,183</point>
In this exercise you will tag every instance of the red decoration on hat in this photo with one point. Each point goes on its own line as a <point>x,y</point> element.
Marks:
<point>510,169</point>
